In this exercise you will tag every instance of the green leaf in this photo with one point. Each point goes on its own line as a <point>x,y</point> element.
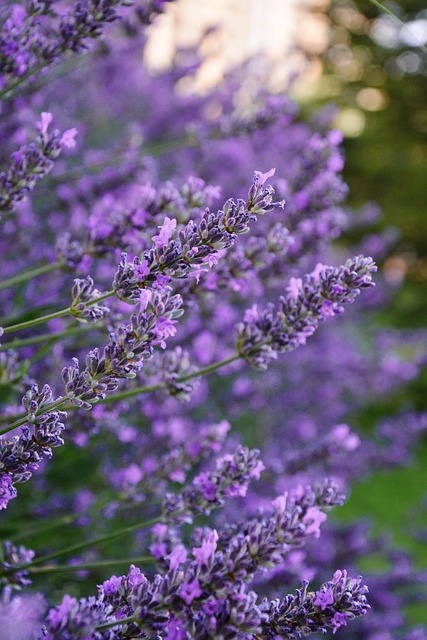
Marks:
<point>393,15</point>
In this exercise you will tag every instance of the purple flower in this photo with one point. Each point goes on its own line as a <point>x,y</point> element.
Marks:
<point>261,178</point>
<point>29,164</point>
<point>166,231</point>
<point>164,329</point>
<point>262,337</point>
<point>175,630</point>
<point>189,591</point>
<point>176,557</point>
<point>142,269</point>
<point>43,124</point>
<point>294,288</point>
<point>342,436</point>
<point>21,616</point>
<point>251,315</point>
<point>111,585</point>
<point>295,614</point>
<point>67,139</point>
<point>324,598</point>
<point>339,620</point>
<point>211,606</point>
<point>257,470</point>
<point>12,557</point>
<point>208,490</point>
<point>205,552</point>
<point>144,299</point>
<point>312,520</point>
<point>7,490</point>
<point>59,615</point>
<point>135,577</point>
<point>130,476</point>
<point>17,15</point>
<point>22,454</point>
<point>327,309</point>
<point>83,305</point>
<point>158,550</point>
<point>204,483</point>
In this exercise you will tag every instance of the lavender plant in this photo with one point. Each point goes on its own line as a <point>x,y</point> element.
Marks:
<point>153,255</point>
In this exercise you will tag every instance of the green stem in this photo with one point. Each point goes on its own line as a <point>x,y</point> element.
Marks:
<point>14,317</point>
<point>43,528</point>
<point>160,385</point>
<point>386,10</point>
<point>58,70</point>
<point>120,621</point>
<point>211,368</point>
<point>28,275</point>
<point>153,150</point>
<point>59,568</point>
<point>32,323</point>
<point>86,544</point>
<point>24,419</point>
<point>72,331</point>
<point>21,80</point>
<point>67,64</point>
<point>52,316</point>
<point>131,392</point>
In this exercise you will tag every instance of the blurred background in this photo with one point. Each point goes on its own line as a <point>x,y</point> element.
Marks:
<point>363,61</point>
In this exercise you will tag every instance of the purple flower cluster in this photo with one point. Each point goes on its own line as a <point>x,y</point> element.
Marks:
<point>21,615</point>
<point>197,244</point>
<point>12,557</point>
<point>32,162</point>
<point>21,455</point>
<point>126,351</point>
<point>210,490</point>
<point>206,596</point>
<point>35,37</point>
<point>262,335</point>
<point>339,601</point>
<point>120,220</point>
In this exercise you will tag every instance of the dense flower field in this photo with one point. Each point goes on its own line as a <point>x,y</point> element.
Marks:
<point>184,353</point>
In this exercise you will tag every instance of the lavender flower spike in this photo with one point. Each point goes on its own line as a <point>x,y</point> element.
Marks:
<point>83,306</point>
<point>29,43</point>
<point>12,556</point>
<point>332,606</point>
<point>196,247</point>
<point>22,454</point>
<point>128,348</point>
<point>210,490</point>
<point>188,601</point>
<point>32,162</point>
<point>323,293</point>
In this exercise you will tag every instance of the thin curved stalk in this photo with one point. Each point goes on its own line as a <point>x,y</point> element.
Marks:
<point>28,275</point>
